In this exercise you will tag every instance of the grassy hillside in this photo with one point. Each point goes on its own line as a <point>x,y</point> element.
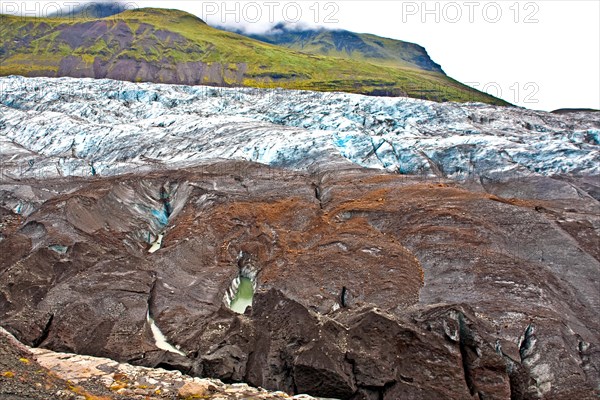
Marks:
<point>171,46</point>
<point>355,46</point>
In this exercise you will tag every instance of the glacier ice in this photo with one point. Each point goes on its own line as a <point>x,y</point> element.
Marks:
<point>84,127</point>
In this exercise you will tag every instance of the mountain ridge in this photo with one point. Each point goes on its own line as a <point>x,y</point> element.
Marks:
<point>346,44</point>
<point>93,10</point>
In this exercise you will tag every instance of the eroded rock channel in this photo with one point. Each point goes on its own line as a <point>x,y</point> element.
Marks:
<point>382,286</point>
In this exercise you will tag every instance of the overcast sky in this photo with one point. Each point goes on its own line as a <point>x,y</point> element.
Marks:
<point>537,54</point>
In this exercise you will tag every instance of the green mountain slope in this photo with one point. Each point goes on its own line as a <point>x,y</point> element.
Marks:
<point>346,44</point>
<point>170,46</point>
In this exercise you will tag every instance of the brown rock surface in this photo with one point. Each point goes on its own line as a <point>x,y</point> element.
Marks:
<point>190,389</point>
<point>369,285</point>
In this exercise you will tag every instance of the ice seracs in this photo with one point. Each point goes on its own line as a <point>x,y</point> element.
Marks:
<point>84,127</point>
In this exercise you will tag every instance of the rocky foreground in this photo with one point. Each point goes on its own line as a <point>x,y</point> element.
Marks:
<point>43,374</point>
<point>369,283</point>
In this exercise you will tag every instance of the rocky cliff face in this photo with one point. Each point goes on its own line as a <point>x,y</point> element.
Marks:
<point>369,284</point>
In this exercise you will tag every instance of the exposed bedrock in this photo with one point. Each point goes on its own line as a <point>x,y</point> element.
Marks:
<point>368,285</point>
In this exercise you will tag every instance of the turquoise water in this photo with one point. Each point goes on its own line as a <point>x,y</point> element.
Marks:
<point>243,297</point>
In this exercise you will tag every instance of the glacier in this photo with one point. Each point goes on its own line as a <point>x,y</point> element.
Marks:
<point>54,127</point>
